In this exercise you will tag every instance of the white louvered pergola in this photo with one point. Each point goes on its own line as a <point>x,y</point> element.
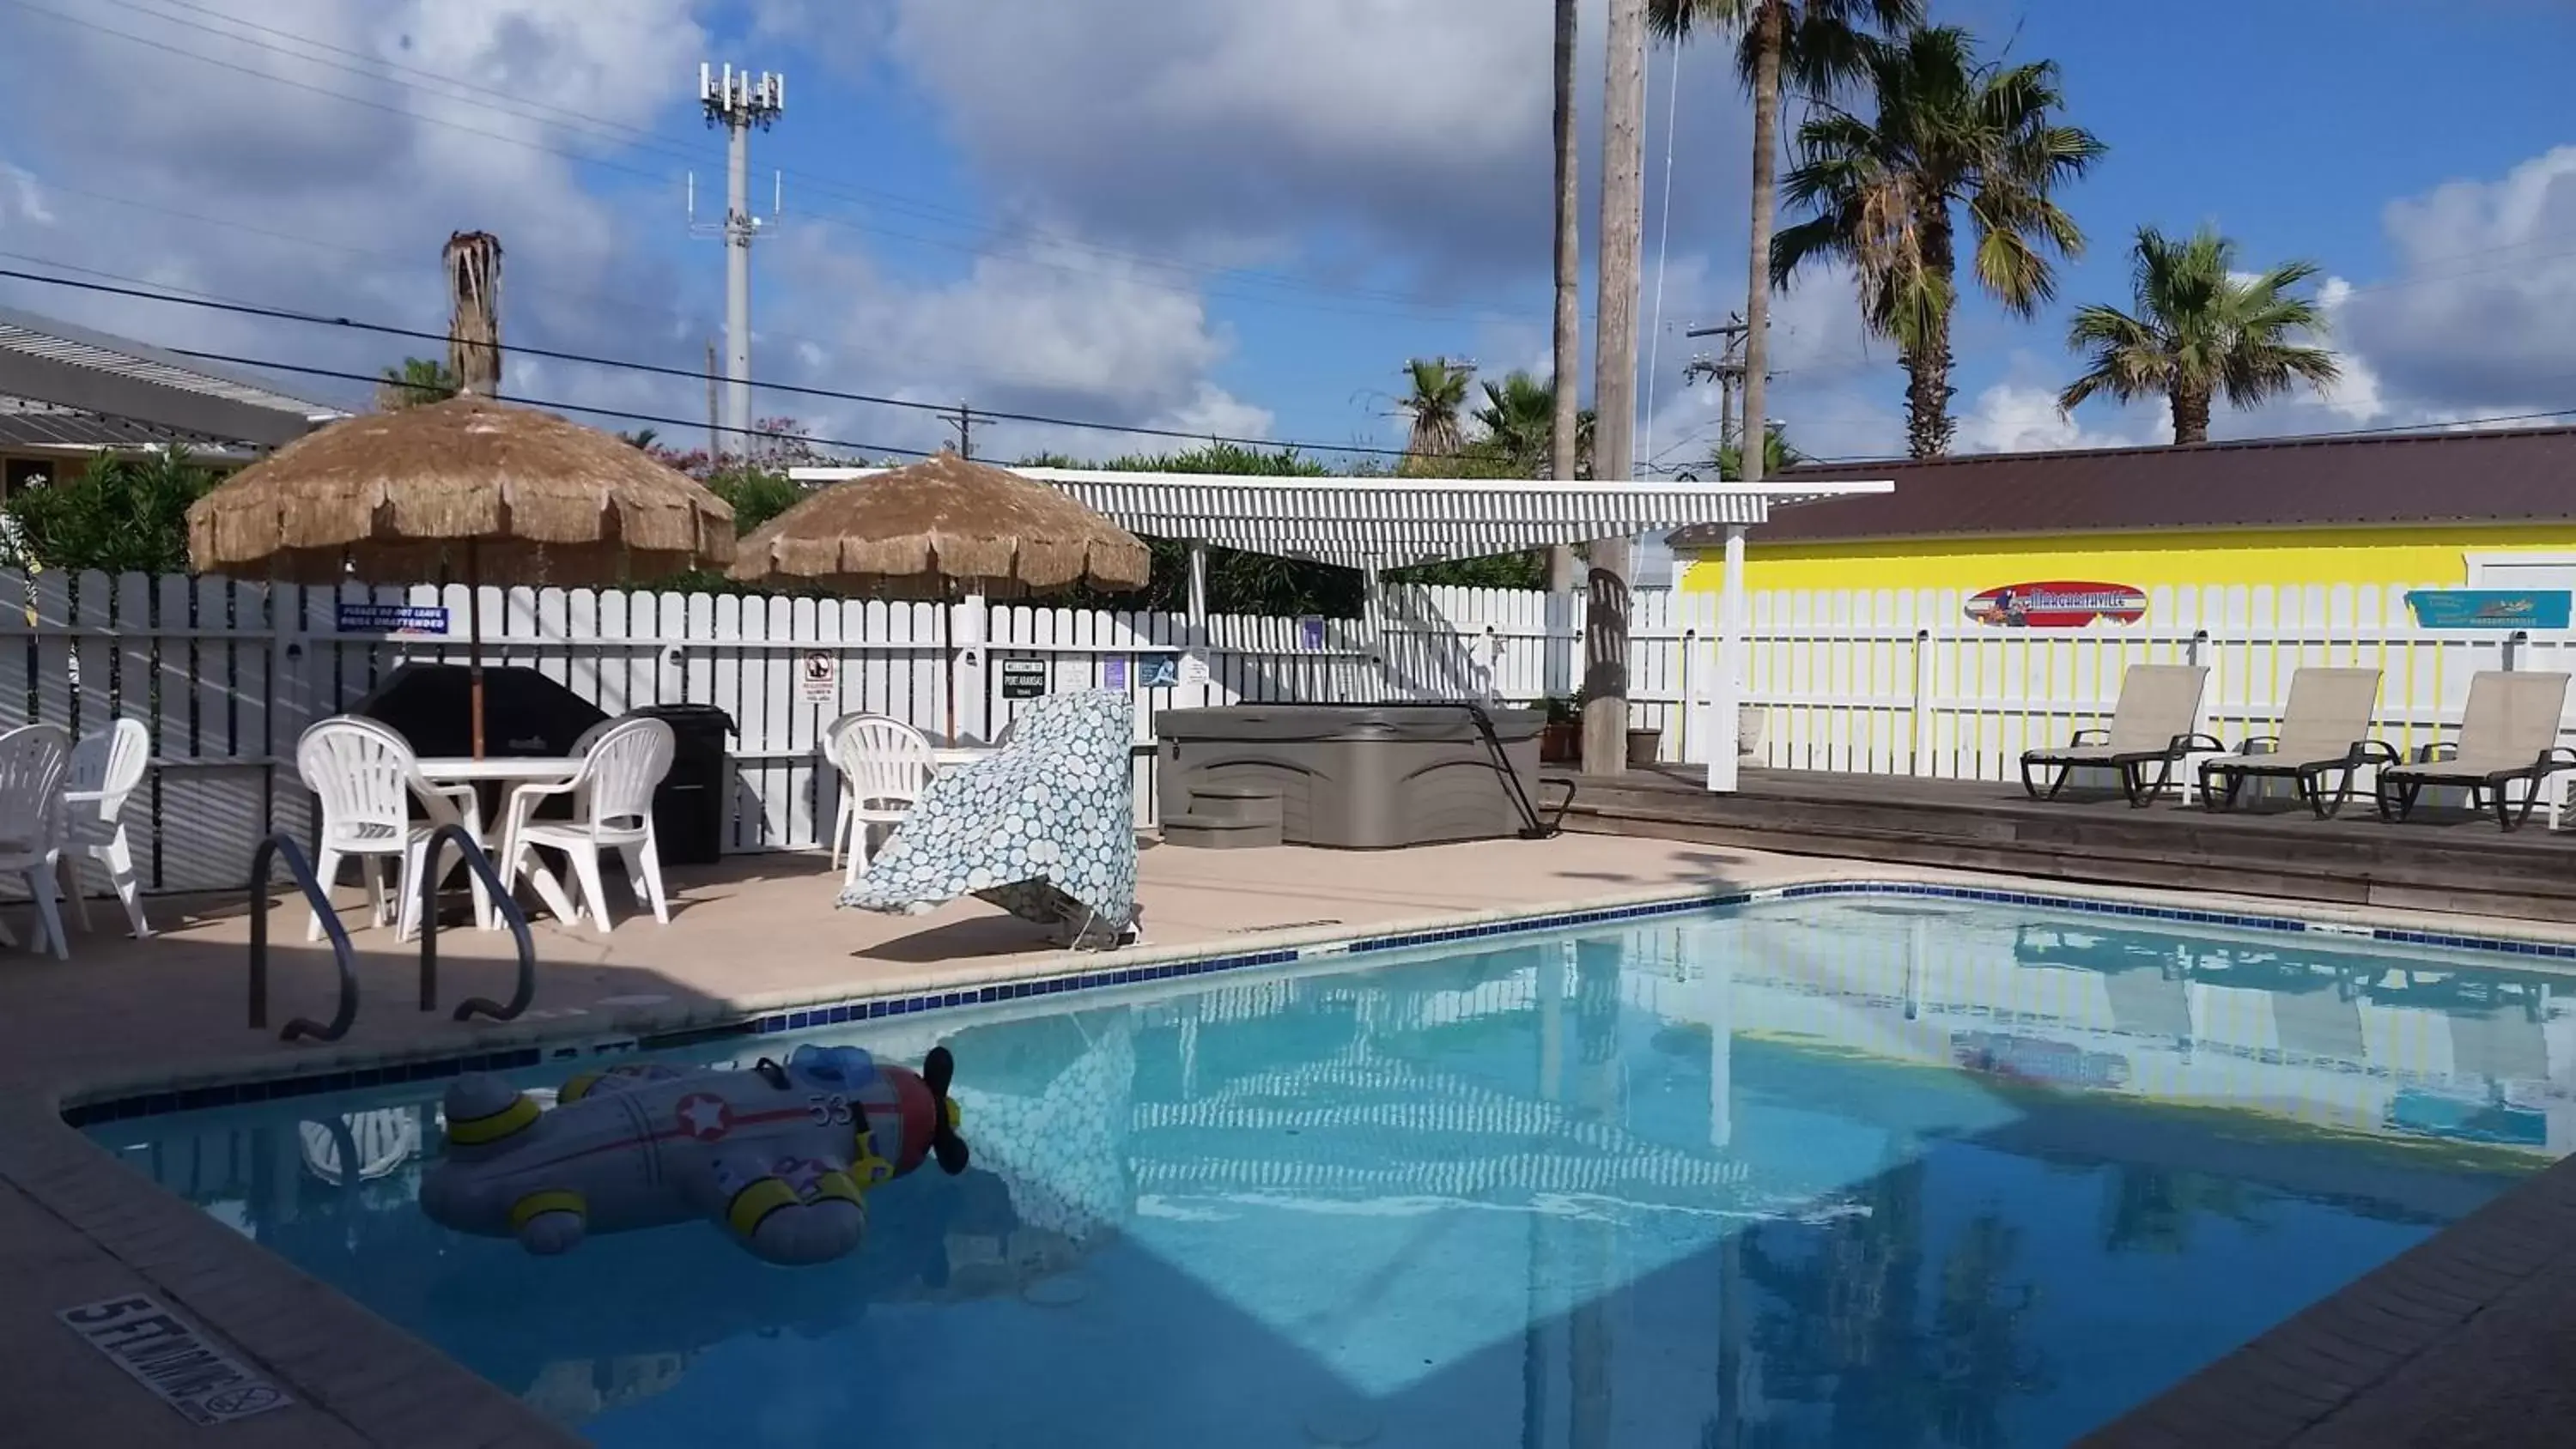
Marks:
<point>1373,524</point>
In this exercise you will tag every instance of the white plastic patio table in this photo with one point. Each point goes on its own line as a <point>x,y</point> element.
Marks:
<point>510,770</point>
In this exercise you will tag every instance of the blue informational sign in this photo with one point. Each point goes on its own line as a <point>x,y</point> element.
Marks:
<point>1158,671</point>
<point>2489,608</point>
<point>1310,632</point>
<point>392,619</point>
<point>1113,673</point>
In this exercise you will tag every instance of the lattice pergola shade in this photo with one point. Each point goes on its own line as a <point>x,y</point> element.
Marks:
<point>1393,522</point>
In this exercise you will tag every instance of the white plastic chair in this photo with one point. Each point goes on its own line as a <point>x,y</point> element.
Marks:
<point>365,776</point>
<point>34,761</point>
<point>613,809</point>
<point>832,755</point>
<point>885,765</point>
<point>106,768</point>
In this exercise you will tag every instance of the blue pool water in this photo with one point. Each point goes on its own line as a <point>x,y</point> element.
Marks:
<point>1833,1171</point>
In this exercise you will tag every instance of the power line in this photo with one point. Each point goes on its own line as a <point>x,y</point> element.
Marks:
<point>280,314</point>
<point>377,379</point>
<point>898,201</point>
<point>662,316</point>
<point>599,128</point>
<point>2322,435</point>
<point>2425,425</point>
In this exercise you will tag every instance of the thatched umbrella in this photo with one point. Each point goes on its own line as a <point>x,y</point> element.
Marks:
<point>925,531</point>
<point>469,486</point>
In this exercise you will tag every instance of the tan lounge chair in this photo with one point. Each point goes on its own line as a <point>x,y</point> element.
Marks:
<point>2155,723</point>
<point>2325,730</point>
<point>2509,732</point>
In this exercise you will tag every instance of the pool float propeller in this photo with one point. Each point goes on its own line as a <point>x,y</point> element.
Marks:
<point>782,1156</point>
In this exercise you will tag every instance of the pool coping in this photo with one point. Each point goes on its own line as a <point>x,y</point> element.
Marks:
<point>85,1102</point>
<point>82,1174</point>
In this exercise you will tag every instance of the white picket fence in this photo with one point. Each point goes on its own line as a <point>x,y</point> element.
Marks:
<point>227,674</point>
<point>1904,683</point>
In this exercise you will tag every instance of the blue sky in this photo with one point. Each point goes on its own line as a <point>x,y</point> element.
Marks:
<point>1228,216</point>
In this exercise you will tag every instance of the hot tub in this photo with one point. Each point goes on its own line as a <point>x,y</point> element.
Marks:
<point>1355,776</point>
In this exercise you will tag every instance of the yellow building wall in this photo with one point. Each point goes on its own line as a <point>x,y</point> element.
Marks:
<point>2435,557</point>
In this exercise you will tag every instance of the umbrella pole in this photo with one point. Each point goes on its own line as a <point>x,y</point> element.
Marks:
<point>474,636</point>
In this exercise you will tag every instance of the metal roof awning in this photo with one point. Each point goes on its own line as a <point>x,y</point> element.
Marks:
<point>33,427</point>
<point>72,367</point>
<point>1379,523</point>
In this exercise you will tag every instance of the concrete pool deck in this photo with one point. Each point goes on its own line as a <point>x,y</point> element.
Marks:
<point>758,932</point>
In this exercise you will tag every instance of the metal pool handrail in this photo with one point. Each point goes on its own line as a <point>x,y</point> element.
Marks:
<point>481,864</point>
<point>277,844</point>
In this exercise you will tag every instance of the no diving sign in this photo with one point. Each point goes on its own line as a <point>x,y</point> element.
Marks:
<point>185,1369</point>
<point>815,673</point>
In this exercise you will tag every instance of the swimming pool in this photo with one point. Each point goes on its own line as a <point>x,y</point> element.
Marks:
<point>1837,1169</point>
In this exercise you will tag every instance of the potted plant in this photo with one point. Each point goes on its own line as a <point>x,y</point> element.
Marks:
<point>1645,744</point>
<point>1560,740</point>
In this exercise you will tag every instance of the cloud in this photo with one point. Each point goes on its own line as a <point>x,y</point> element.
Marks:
<point>2018,418</point>
<point>1016,336</point>
<point>1396,135</point>
<point>2481,313</point>
<point>2018,414</point>
<point>22,200</point>
<point>205,156</point>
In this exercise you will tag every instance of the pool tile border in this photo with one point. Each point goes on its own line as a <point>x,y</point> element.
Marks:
<point>113,1107</point>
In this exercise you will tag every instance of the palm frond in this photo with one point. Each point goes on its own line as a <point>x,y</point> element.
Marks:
<point>2199,331</point>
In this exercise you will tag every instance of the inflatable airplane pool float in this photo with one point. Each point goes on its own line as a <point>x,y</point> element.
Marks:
<point>781,1155</point>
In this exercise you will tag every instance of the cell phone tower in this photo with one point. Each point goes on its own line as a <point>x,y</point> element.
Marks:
<point>738,101</point>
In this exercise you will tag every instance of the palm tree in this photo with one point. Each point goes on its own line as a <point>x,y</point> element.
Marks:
<point>1777,456</point>
<point>1519,419</point>
<point>1435,405</point>
<point>1950,131</point>
<point>1566,347</point>
<point>1816,45</point>
<point>417,381</point>
<point>2200,329</point>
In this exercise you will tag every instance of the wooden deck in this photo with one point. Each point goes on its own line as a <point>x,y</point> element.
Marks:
<point>2445,860</point>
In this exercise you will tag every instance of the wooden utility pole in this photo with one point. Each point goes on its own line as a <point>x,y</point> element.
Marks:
<point>1568,355</point>
<point>1727,368</point>
<point>1614,381</point>
<point>964,423</point>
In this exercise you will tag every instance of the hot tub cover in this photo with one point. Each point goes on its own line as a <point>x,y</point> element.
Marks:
<point>1045,828</point>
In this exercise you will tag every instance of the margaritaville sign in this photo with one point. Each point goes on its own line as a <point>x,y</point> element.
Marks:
<point>2489,608</point>
<point>2057,605</point>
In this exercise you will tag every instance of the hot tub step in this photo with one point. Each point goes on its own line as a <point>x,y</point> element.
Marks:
<point>1248,804</point>
<point>1196,831</point>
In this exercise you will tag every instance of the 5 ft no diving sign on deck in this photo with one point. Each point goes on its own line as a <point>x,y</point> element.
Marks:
<point>184,1368</point>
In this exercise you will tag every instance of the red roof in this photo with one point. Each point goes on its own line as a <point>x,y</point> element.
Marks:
<point>2525,475</point>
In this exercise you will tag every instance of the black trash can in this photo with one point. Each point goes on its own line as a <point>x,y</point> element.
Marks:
<point>690,809</point>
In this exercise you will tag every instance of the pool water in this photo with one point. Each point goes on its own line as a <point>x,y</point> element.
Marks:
<point>1830,1171</point>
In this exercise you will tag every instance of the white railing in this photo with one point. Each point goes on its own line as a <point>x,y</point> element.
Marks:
<point>225,675</point>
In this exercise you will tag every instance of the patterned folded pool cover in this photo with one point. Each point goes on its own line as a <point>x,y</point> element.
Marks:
<point>1045,828</point>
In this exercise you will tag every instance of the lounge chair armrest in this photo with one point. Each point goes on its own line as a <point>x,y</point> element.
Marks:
<point>2366,752</point>
<point>2252,740</point>
<point>2186,744</point>
<point>2099,737</point>
<point>2438,750</point>
<point>2556,757</point>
